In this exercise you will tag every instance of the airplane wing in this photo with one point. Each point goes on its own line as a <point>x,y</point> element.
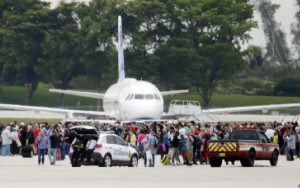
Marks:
<point>79,93</point>
<point>173,92</point>
<point>57,110</point>
<point>250,108</point>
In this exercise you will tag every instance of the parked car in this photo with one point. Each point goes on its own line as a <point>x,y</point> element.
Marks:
<point>111,150</point>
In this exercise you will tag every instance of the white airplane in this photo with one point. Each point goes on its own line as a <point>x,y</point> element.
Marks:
<point>131,99</point>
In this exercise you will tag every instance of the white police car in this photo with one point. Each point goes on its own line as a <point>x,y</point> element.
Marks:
<point>111,150</point>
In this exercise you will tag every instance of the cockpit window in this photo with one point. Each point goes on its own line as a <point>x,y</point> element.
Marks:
<point>149,97</point>
<point>139,96</point>
<point>129,97</point>
<point>156,97</point>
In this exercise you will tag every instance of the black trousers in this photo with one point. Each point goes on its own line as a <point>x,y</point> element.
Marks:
<point>75,156</point>
<point>196,154</point>
<point>14,149</point>
<point>88,154</point>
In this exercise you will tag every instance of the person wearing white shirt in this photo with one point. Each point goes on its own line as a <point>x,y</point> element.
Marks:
<point>15,142</point>
<point>269,133</point>
<point>6,142</point>
<point>90,147</point>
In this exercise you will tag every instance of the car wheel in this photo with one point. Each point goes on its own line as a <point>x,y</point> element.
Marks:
<point>107,162</point>
<point>215,162</point>
<point>134,161</point>
<point>249,162</point>
<point>274,158</point>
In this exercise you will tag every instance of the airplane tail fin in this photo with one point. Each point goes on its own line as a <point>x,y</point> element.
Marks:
<point>120,52</point>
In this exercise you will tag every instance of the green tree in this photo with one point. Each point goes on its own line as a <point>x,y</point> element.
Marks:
<point>98,23</point>
<point>62,47</point>
<point>22,28</point>
<point>277,49</point>
<point>296,34</point>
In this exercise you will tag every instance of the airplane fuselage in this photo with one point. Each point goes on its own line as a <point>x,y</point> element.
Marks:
<point>131,99</point>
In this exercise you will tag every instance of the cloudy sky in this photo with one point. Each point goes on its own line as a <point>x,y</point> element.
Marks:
<point>285,16</point>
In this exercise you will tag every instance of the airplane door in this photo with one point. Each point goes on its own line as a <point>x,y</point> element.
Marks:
<point>123,149</point>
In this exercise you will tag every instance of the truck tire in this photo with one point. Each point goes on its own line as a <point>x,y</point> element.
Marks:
<point>249,162</point>
<point>215,162</point>
<point>274,158</point>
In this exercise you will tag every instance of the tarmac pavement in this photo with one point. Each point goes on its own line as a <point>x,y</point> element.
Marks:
<point>18,172</point>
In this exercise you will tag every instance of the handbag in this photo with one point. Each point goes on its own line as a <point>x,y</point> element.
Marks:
<point>148,155</point>
<point>18,143</point>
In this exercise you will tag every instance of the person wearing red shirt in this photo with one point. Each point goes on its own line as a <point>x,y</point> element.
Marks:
<point>36,131</point>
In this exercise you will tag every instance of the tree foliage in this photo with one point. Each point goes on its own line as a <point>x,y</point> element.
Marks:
<point>288,86</point>
<point>277,49</point>
<point>23,27</point>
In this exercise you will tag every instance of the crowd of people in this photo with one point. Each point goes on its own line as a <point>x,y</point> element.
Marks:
<point>180,141</point>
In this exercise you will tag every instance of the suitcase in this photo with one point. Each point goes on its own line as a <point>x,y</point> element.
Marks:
<point>289,157</point>
<point>26,151</point>
<point>165,160</point>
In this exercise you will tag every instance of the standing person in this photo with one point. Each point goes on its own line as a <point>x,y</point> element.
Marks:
<point>204,147</point>
<point>196,147</point>
<point>166,136</point>
<point>296,130</point>
<point>175,147</point>
<point>30,136</point>
<point>153,147</point>
<point>127,135</point>
<point>6,142</point>
<point>298,135</point>
<point>58,150</point>
<point>141,137</point>
<point>184,149</point>
<point>54,143</point>
<point>291,143</point>
<point>36,131</point>
<point>147,151</point>
<point>16,144</point>
<point>189,145</point>
<point>65,145</point>
<point>23,134</point>
<point>77,146</point>
<point>161,145</point>
<point>132,138</point>
<point>42,141</point>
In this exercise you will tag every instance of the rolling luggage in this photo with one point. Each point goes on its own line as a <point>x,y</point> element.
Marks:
<point>26,151</point>
<point>165,160</point>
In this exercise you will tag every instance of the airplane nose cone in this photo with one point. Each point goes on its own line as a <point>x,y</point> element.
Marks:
<point>140,110</point>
